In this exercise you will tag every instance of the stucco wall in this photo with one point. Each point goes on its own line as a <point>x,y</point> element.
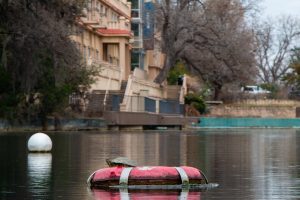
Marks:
<point>138,86</point>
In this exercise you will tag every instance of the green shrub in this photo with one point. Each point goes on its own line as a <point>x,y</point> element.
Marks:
<point>273,88</point>
<point>177,71</point>
<point>196,101</point>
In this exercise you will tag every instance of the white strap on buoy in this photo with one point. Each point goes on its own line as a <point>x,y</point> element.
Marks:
<point>183,176</point>
<point>124,194</point>
<point>125,175</point>
<point>184,194</point>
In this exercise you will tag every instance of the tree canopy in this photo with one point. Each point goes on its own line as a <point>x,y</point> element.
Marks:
<point>293,76</point>
<point>40,64</point>
<point>211,38</point>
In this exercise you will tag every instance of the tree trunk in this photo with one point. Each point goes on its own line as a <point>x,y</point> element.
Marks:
<point>168,64</point>
<point>57,123</point>
<point>44,123</point>
<point>217,92</point>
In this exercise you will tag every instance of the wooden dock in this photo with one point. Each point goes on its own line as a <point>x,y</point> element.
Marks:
<point>143,121</point>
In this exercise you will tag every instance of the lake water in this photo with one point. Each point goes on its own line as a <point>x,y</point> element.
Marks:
<point>247,163</point>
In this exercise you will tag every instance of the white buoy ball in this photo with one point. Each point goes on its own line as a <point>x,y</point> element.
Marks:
<point>39,142</point>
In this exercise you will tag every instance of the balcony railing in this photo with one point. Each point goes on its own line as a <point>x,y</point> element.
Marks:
<point>137,43</point>
<point>106,69</point>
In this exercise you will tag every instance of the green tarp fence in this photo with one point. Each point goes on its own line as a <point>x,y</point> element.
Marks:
<point>219,122</point>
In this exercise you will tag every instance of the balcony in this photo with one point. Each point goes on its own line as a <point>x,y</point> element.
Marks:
<point>89,21</point>
<point>97,26</point>
<point>137,43</point>
<point>123,7</point>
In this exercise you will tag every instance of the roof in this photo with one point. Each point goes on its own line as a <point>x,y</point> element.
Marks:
<point>114,32</point>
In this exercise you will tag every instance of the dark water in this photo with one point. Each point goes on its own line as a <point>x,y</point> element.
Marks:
<point>247,163</point>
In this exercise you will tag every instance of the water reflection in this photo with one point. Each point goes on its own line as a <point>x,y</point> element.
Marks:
<point>252,163</point>
<point>273,169</point>
<point>99,194</point>
<point>247,163</point>
<point>39,173</point>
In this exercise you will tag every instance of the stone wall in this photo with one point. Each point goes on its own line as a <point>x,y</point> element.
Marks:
<point>252,111</point>
<point>266,108</point>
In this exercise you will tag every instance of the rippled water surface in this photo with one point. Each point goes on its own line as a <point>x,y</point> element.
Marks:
<point>247,163</point>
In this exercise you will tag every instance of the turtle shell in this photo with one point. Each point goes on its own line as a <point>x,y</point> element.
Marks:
<point>121,161</point>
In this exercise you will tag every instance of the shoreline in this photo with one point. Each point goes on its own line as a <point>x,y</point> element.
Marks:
<point>99,124</point>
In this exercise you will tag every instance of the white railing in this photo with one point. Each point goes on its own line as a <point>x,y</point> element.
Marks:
<point>113,25</point>
<point>183,90</point>
<point>108,70</point>
<point>137,43</point>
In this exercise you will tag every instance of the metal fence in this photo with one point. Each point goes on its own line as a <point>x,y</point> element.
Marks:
<point>98,103</point>
<point>170,107</point>
<point>150,105</point>
<point>146,104</point>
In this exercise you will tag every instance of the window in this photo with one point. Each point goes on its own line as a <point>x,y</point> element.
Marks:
<point>114,16</point>
<point>84,51</point>
<point>135,60</point>
<point>103,11</point>
<point>135,13</point>
<point>89,5</point>
<point>97,54</point>
<point>136,29</point>
<point>89,53</point>
<point>97,6</point>
<point>134,4</point>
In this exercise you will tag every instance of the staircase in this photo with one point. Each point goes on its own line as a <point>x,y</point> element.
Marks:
<point>123,87</point>
<point>99,101</point>
<point>95,105</point>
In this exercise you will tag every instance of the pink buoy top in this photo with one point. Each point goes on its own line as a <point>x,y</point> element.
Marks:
<point>148,173</point>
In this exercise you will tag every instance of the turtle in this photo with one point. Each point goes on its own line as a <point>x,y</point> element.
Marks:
<point>121,161</point>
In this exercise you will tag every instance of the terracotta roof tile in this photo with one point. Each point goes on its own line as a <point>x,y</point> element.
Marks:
<point>113,32</point>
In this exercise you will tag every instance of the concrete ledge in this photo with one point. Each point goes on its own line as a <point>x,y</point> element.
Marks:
<point>4,125</point>
<point>146,119</point>
<point>64,124</point>
<point>80,124</point>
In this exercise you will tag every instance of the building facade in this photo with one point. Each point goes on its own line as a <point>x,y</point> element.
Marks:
<point>147,60</point>
<point>118,37</point>
<point>145,54</point>
<point>104,41</point>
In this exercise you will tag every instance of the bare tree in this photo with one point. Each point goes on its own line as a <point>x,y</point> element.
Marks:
<point>175,21</point>
<point>214,41</point>
<point>274,40</point>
